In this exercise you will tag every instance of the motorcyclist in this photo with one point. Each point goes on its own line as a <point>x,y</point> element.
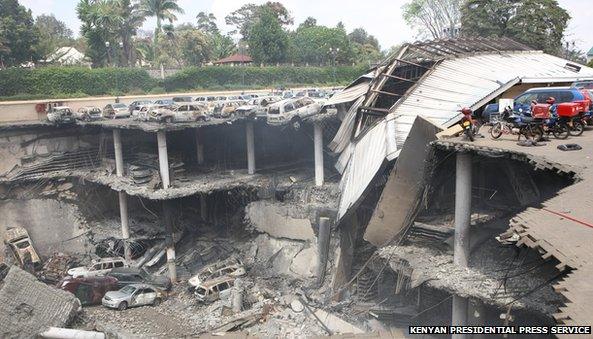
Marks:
<point>467,118</point>
<point>552,102</point>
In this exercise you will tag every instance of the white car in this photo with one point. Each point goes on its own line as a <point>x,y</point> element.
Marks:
<point>98,267</point>
<point>133,295</point>
<point>231,267</point>
<point>181,113</point>
<point>257,107</point>
<point>117,110</point>
<point>60,115</point>
<point>292,110</point>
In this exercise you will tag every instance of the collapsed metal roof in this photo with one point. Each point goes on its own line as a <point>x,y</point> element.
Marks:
<point>435,79</point>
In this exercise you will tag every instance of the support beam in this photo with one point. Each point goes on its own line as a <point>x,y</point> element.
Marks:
<point>199,147</point>
<point>161,138</point>
<point>170,241</point>
<point>203,207</point>
<point>348,232</point>
<point>463,199</point>
<point>318,142</point>
<point>322,248</point>
<point>250,147</point>
<point>123,199</point>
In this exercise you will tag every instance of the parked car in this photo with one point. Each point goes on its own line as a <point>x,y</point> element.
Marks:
<point>132,275</point>
<point>89,113</point>
<point>116,110</point>
<point>98,267</point>
<point>292,110</point>
<point>179,100</point>
<point>132,296</point>
<point>17,239</point>
<point>583,84</point>
<point>522,102</point>
<point>227,109</point>
<point>257,107</point>
<point>89,290</point>
<point>135,105</point>
<point>60,115</point>
<point>230,267</point>
<point>192,112</point>
<point>207,99</point>
<point>167,103</point>
<point>212,290</point>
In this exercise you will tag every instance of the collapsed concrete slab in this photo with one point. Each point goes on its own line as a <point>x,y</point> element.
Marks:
<point>400,198</point>
<point>29,307</point>
<point>278,221</point>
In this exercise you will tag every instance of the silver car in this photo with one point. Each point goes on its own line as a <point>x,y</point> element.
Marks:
<point>133,295</point>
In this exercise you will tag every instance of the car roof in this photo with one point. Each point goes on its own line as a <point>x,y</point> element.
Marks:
<point>140,285</point>
<point>126,270</point>
<point>545,89</point>
<point>61,107</point>
<point>216,281</point>
<point>108,259</point>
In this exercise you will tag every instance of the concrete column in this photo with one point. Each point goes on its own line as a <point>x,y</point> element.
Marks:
<point>199,147</point>
<point>203,207</point>
<point>161,138</point>
<point>170,241</point>
<point>237,302</point>
<point>123,199</point>
<point>322,248</point>
<point>250,148</point>
<point>318,141</point>
<point>463,199</point>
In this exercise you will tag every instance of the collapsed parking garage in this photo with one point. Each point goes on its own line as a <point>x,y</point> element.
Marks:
<point>370,219</point>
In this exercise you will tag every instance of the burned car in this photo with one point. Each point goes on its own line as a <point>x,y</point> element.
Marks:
<point>231,267</point>
<point>227,109</point>
<point>132,296</point>
<point>17,238</point>
<point>181,113</point>
<point>292,110</point>
<point>89,290</point>
<point>212,290</point>
<point>116,110</point>
<point>98,267</point>
<point>89,113</point>
<point>60,115</point>
<point>128,276</point>
<point>257,107</point>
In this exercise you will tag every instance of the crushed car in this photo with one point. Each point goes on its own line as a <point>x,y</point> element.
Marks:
<point>132,275</point>
<point>60,115</point>
<point>292,111</point>
<point>89,290</point>
<point>116,110</point>
<point>227,109</point>
<point>89,113</point>
<point>257,107</point>
<point>133,295</point>
<point>230,267</point>
<point>181,113</point>
<point>135,106</point>
<point>18,240</point>
<point>98,267</point>
<point>212,290</point>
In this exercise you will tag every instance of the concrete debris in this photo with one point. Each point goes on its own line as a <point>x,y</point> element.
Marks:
<point>55,267</point>
<point>278,220</point>
<point>29,307</point>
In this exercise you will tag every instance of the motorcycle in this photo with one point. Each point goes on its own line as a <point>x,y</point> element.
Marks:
<point>558,127</point>
<point>467,123</point>
<point>511,123</point>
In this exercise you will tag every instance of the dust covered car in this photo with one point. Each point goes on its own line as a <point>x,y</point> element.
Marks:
<point>181,113</point>
<point>90,290</point>
<point>89,113</point>
<point>98,267</point>
<point>132,296</point>
<point>230,267</point>
<point>212,290</point>
<point>131,275</point>
<point>17,239</point>
<point>116,110</point>
<point>257,107</point>
<point>227,109</point>
<point>61,115</point>
<point>292,111</point>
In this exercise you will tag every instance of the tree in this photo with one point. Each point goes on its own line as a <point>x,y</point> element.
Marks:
<point>536,23</point>
<point>268,41</point>
<point>207,23</point>
<point>221,46</point>
<point>99,25</point>
<point>309,22</point>
<point>361,37</point>
<point>245,17</point>
<point>313,44</point>
<point>129,19</point>
<point>184,45</point>
<point>162,10</point>
<point>433,18</point>
<point>53,34</point>
<point>18,35</point>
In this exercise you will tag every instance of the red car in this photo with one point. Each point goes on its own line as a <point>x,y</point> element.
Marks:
<point>90,290</point>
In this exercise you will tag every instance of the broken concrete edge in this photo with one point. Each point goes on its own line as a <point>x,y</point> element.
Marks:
<point>330,322</point>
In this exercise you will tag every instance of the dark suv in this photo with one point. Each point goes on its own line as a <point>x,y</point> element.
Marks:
<point>130,275</point>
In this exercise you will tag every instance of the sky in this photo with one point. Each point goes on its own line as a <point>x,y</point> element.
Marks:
<point>381,18</point>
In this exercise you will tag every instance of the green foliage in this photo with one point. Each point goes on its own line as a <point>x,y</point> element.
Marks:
<point>433,18</point>
<point>67,80</point>
<point>537,23</point>
<point>248,15</point>
<point>18,35</point>
<point>268,42</point>
<point>312,45</point>
<point>183,46</point>
<point>53,34</point>
<point>218,77</point>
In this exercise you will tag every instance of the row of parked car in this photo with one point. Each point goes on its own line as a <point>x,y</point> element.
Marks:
<point>114,284</point>
<point>276,107</point>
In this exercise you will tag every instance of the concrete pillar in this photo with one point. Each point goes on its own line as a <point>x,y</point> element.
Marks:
<point>318,142</point>
<point>250,148</point>
<point>170,241</point>
<point>123,200</point>
<point>237,294</point>
<point>203,207</point>
<point>161,138</point>
<point>199,147</point>
<point>463,199</point>
<point>322,248</point>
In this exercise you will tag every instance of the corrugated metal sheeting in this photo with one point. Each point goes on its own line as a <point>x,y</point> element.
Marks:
<point>464,81</point>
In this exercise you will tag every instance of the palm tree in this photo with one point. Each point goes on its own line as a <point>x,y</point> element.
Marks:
<point>129,18</point>
<point>161,9</point>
